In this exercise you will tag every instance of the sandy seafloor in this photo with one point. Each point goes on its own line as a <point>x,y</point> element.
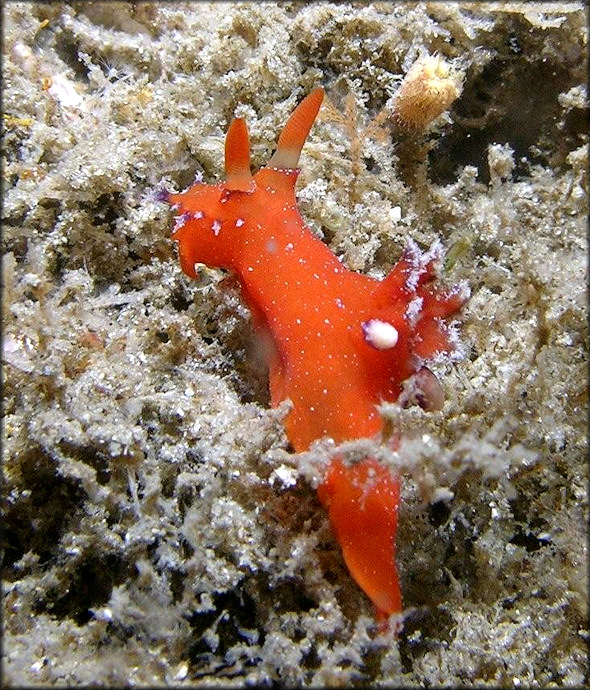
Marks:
<point>157,528</point>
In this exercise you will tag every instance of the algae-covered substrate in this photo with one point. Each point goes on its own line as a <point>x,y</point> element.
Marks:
<point>157,528</point>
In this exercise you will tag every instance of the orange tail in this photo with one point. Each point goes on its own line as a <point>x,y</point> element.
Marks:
<point>362,501</point>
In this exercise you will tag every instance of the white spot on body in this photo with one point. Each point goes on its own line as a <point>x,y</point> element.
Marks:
<point>240,222</point>
<point>380,334</point>
<point>216,227</point>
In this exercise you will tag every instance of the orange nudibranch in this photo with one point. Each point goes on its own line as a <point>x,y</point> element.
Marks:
<point>341,342</point>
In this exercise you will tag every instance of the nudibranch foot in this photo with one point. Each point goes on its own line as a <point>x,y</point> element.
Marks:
<point>362,501</point>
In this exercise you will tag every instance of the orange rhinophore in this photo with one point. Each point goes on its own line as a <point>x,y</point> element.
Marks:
<point>341,342</point>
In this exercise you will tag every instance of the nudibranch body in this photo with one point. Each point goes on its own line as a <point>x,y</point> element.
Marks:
<point>339,343</point>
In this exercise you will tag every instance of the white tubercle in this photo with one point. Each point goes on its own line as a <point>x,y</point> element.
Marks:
<point>380,334</point>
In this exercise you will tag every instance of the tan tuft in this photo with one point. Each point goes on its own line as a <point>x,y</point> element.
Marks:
<point>428,89</point>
